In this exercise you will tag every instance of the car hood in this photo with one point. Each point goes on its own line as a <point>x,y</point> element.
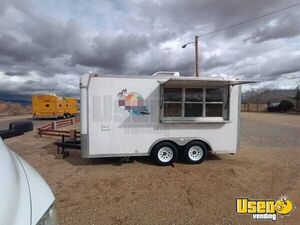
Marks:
<point>24,195</point>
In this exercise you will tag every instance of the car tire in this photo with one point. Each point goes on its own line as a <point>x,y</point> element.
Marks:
<point>164,153</point>
<point>195,152</point>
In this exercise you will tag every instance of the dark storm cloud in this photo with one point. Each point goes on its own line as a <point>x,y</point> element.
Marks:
<point>58,38</point>
<point>216,61</point>
<point>271,68</point>
<point>206,15</point>
<point>169,63</point>
<point>51,51</point>
<point>18,51</point>
<point>283,28</point>
<point>20,5</point>
<point>16,73</point>
<point>278,67</point>
<point>110,52</point>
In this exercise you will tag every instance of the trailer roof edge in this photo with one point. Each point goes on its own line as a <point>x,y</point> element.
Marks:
<point>202,82</point>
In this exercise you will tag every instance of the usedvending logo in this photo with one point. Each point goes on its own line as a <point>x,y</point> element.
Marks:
<point>133,102</point>
<point>264,209</point>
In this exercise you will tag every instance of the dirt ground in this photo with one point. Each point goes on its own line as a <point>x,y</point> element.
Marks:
<point>105,191</point>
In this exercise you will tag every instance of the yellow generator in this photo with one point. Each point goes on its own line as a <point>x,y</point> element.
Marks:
<point>52,106</point>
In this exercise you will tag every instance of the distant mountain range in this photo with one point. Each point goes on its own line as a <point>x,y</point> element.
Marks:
<point>22,99</point>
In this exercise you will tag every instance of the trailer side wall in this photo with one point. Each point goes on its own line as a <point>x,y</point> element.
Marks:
<point>110,130</point>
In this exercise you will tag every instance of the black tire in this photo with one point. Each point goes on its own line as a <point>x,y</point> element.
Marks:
<point>158,153</point>
<point>200,152</point>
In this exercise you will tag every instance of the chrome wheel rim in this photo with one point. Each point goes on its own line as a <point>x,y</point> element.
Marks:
<point>165,154</point>
<point>195,153</point>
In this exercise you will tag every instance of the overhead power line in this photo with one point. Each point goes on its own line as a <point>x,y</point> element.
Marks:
<point>250,20</point>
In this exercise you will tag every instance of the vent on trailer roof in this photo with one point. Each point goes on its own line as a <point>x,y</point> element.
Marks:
<point>166,74</point>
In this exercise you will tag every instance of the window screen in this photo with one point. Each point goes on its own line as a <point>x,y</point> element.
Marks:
<point>214,95</point>
<point>172,102</point>
<point>214,110</point>
<point>214,102</point>
<point>173,95</point>
<point>193,102</point>
<point>172,109</point>
<point>193,95</point>
<point>193,110</point>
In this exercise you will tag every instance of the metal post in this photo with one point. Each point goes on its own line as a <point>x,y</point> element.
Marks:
<point>196,57</point>
<point>297,98</point>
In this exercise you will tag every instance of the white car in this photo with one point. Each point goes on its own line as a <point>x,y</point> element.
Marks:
<point>25,197</point>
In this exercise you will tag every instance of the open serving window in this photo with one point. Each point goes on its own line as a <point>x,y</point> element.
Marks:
<point>190,100</point>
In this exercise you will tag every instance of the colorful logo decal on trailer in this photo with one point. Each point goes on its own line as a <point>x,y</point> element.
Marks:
<point>133,102</point>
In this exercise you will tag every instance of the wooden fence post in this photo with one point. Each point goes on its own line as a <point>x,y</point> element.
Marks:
<point>54,125</point>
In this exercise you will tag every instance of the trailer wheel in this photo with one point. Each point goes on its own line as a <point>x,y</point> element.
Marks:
<point>164,153</point>
<point>195,152</point>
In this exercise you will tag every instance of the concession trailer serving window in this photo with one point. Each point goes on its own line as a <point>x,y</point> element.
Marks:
<point>195,101</point>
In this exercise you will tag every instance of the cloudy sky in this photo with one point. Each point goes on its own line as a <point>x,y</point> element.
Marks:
<point>45,46</point>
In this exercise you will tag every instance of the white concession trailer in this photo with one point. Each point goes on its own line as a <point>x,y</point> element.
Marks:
<point>162,116</point>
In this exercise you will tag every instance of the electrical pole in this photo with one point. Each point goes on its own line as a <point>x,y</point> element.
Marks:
<point>196,57</point>
<point>196,44</point>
